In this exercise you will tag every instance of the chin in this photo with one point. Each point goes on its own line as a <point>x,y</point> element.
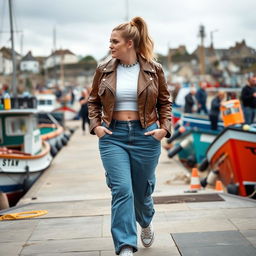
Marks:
<point>114,55</point>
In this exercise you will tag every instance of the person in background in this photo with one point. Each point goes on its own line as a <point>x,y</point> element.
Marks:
<point>215,109</point>
<point>190,101</point>
<point>83,113</point>
<point>130,112</point>
<point>201,97</point>
<point>248,97</point>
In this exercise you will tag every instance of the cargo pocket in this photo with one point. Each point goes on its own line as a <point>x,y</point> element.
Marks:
<point>150,187</point>
<point>108,180</point>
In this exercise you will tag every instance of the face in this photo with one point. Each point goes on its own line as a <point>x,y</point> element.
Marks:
<point>253,81</point>
<point>118,45</point>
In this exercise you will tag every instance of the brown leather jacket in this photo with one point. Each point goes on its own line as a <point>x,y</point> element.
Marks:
<point>153,96</point>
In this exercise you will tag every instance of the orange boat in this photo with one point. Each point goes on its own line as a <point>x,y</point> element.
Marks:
<point>232,155</point>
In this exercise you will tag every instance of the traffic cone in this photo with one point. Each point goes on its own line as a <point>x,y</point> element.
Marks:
<point>219,186</point>
<point>195,182</point>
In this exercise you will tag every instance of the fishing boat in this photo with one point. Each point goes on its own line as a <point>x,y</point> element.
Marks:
<point>192,138</point>
<point>199,121</point>
<point>46,102</point>
<point>55,135</point>
<point>23,153</point>
<point>232,155</point>
<point>68,112</point>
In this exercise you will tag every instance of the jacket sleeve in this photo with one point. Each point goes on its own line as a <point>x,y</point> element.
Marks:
<point>94,102</point>
<point>164,105</point>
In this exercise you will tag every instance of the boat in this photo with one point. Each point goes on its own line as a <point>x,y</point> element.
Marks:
<point>46,102</point>
<point>68,112</point>
<point>23,153</point>
<point>232,155</point>
<point>192,138</point>
<point>55,135</point>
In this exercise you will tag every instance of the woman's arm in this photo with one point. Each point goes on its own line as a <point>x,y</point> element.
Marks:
<point>94,103</point>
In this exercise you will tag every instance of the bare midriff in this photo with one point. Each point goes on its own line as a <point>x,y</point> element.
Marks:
<point>126,115</point>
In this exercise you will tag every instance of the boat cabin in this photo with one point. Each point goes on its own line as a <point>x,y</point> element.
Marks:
<point>19,131</point>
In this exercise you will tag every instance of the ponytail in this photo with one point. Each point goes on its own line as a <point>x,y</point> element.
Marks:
<point>137,31</point>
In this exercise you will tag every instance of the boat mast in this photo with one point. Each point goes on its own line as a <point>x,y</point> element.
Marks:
<point>14,81</point>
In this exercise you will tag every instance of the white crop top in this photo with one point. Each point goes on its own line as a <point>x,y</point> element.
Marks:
<point>126,88</point>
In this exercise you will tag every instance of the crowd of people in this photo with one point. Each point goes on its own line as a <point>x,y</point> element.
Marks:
<point>196,102</point>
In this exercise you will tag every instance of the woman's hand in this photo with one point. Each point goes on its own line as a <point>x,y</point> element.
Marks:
<point>100,131</point>
<point>159,134</point>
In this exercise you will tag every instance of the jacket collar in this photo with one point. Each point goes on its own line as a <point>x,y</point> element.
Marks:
<point>144,65</point>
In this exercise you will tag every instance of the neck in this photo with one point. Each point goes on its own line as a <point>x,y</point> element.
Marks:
<point>129,59</point>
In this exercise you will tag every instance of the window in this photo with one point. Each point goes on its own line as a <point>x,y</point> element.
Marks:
<point>15,126</point>
<point>230,111</point>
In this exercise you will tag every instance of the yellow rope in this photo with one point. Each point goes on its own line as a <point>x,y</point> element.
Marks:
<point>23,215</point>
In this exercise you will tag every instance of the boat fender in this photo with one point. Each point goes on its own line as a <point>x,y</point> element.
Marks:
<point>64,141</point>
<point>212,177</point>
<point>67,135</point>
<point>176,134</point>
<point>178,147</point>
<point>72,130</point>
<point>54,151</point>
<point>59,145</point>
<point>232,189</point>
<point>203,165</point>
<point>27,183</point>
<point>203,182</point>
<point>177,125</point>
<point>191,161</point>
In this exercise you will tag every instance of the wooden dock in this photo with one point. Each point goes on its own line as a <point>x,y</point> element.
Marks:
<point>74,193</point>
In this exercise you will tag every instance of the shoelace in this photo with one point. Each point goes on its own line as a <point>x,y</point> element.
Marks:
<point>146,232</point>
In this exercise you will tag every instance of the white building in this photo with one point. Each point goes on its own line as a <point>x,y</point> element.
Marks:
<point>29,64</point>
<point>5,61</point>
<point>60,57</point>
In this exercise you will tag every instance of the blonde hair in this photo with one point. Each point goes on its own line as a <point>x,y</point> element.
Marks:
<point>137,31</point>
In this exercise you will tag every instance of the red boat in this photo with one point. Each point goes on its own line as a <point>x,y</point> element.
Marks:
<point>233,155</point>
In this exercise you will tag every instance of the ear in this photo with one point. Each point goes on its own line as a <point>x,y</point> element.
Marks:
<point>130,44</point>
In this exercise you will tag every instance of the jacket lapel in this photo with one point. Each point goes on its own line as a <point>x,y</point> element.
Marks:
<point>145,75</point>
<point>110,79</point>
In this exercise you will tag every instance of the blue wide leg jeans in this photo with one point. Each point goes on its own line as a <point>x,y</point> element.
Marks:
<point>129,158</point>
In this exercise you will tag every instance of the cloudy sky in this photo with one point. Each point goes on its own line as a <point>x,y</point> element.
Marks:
<point>84,26</point>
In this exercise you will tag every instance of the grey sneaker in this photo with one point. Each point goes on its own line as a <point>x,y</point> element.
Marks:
<point>126,251</point>
<point>147,236</point>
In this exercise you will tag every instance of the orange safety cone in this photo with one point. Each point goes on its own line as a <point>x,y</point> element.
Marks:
<point>195,182</point>
<point>219,186</point>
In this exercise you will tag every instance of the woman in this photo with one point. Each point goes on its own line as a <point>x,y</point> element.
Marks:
<point>130,112</point>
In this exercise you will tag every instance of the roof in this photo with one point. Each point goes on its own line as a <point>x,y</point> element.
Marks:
<point>62,52</point>
<point>28,57</point>
<point>7,52</point>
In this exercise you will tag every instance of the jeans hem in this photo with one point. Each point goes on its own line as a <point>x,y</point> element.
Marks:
<point>135,248</point>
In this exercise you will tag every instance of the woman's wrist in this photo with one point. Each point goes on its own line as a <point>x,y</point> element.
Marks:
<point>164,131</point>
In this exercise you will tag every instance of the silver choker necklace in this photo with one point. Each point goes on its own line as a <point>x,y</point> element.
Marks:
<point>128,65</point>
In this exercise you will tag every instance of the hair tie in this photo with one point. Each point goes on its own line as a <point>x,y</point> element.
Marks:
<point>132,23</point>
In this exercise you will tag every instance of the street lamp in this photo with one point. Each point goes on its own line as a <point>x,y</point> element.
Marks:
<point>211,35</point>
